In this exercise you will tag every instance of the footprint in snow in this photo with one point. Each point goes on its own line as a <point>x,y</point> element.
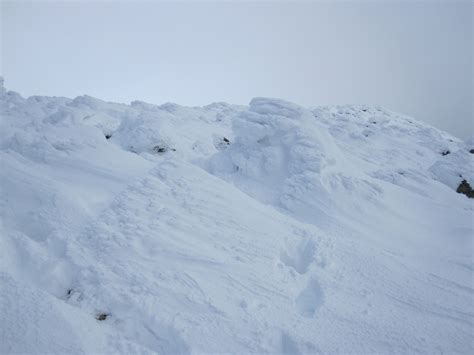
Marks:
<point>310,299</point>
<point>300,256</point>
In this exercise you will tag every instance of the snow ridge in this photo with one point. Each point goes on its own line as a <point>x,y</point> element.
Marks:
<point>268,228</point>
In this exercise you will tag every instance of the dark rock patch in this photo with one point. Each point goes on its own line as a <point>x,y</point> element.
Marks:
<point>108,136</point>
<point>446,152</point>
<point>163,148</point>
<point>159,149</point>
<point>465,189</point>
<point>101,316</point>
<point>471,151</point>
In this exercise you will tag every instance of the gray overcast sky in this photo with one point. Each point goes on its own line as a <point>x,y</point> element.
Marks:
<point>412,57</point>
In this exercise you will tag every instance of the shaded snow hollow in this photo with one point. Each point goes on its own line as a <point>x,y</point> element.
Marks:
<point>268,228</point>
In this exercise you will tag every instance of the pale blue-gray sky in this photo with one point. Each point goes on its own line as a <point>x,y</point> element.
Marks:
<point>412,57</point>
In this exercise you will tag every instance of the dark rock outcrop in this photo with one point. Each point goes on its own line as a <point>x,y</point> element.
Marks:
<point>465,189</point>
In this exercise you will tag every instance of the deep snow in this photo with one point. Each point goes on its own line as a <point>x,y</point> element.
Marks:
<point>330,229</point>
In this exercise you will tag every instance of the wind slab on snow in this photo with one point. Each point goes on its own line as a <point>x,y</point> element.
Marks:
<point>330,230</point>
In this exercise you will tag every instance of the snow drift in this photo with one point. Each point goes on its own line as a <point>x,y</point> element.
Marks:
<point>268,228</point>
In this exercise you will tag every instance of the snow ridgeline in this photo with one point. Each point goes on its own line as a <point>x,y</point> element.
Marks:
<point>266,228</point>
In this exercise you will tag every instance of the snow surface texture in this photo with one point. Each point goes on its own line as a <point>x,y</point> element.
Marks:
<point>270,228</point>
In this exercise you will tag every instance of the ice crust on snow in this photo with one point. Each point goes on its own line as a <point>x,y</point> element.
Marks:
<point>306,230</point>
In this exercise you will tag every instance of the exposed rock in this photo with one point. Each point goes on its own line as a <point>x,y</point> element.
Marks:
<point>466,189</point>
<point>159,149</point>
<point>101,316</point>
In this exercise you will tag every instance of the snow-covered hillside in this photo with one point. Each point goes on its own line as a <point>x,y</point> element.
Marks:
<point>268,228</point>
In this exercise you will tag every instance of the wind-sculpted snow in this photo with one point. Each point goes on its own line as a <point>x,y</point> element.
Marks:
<point>268,228</point>
<point>191,133</point>
<point>283,157</point>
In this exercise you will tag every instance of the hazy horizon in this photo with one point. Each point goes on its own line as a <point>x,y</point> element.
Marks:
<point>413,58</point>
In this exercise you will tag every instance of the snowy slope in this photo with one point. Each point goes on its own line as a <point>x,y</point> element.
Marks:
<point>268,228</point>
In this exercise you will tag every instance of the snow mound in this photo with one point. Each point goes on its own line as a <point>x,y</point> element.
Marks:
<point>276,107</point>
<point>283,157</point>
<point>170,128</point>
